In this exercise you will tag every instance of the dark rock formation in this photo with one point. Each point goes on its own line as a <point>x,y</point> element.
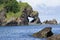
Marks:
<point>28,12</point>
<point>36,19</point>
<point>24,16</point>
<point>54,37</point>
<point>50,22</point>
<point>44,33</point>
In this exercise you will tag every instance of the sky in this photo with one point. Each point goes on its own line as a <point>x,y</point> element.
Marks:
<point>48,9</point>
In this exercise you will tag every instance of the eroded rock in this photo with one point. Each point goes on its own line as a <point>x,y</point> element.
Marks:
<point>35,17</point>
<point>44,33</point>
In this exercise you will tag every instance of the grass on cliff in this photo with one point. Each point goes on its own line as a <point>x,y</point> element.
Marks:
<point>10,14</point>
<point>18,14</point>
<point>1,7</point>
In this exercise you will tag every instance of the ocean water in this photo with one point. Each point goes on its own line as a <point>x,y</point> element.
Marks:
<point>24,32</point>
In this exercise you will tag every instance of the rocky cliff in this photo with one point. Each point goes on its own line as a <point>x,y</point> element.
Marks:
<point>19,18</point>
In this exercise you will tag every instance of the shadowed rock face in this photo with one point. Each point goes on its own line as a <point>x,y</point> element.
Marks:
<point>54,37</point>
<point>44,33</point>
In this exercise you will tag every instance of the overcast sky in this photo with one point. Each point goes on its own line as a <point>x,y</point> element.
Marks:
<point>48,9</point>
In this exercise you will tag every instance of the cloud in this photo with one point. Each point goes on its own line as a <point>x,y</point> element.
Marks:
<point>41,2</point>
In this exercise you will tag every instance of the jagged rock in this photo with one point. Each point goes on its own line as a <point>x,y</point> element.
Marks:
<point>50,21</point>
<point>54,37</point>
<point>44,33</point>
<point>36,19</point>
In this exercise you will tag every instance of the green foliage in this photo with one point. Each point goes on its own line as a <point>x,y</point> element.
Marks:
<point>1,7</point>
<point>23,5</point>
<point>11,14</point>
<point>12,6</point>
<point>2,1</point>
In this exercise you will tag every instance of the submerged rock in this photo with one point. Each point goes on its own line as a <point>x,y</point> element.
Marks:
<point>44,33</point>
<point>54,37</point>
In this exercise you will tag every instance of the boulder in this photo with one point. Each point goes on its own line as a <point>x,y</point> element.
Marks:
<point>44,33</point>
<point>54,37</point>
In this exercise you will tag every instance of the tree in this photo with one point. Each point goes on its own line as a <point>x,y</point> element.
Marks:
<point>10,5</point>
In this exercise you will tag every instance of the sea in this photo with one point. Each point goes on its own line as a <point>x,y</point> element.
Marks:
<point>25,32</point>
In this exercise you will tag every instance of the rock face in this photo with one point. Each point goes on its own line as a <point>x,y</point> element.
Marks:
<point>12,23</point>
<point>44,33</point>
<point>26,11</point>
<point>2,16</point>
<point>54,37</point>
<point>50,22</point>
<point>36,19</point>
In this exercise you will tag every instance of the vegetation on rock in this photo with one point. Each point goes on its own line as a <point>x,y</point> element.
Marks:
<point>16,10</point>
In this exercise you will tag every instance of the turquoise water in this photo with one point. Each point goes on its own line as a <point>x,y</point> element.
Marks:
<point>24,32</point>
